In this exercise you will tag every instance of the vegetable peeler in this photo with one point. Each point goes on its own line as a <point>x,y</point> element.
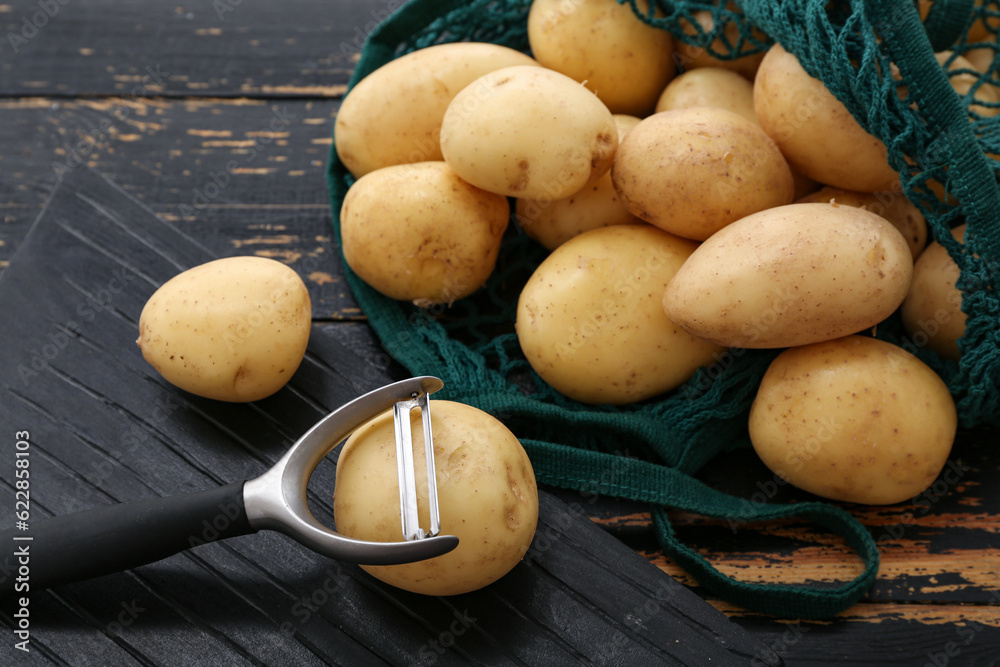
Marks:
<point>109,539</point>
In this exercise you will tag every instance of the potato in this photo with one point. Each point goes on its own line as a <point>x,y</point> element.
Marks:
<point>393,115</point>
<point>963,81</point>
<point>605,46</point>
<point>892,205</point>
<point>590,323</point>
<point>234,329</point>
<point>692,57</point>
<point>528,132</point>
<point>709,87</point>
<point>814,130</point>
<point>486,492</point>
<point>932,311</point>
<point>553,222</point>
<point>417,232</point>
<point>854,419</point>
<point>792,275</point>
<point>693,171</point>
<point>983,27</point>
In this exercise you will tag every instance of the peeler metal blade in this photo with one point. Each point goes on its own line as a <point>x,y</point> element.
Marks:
<point>406,467</point>
<point>277,499</point>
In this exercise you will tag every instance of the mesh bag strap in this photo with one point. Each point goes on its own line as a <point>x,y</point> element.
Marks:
<point>665,487</point>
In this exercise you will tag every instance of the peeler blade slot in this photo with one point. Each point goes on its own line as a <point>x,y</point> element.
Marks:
<point>405,470</point>
<point>432,495</point>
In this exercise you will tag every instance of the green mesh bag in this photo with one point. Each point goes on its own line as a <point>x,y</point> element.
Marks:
<point>651,452</point>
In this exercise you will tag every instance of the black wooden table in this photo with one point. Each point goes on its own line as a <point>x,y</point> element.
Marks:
<point>155,102</point>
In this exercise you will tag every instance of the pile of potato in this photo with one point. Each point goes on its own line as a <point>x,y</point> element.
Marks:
<point>690,205</point>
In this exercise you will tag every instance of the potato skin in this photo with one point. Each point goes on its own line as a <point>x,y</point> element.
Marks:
<point>393,115</point>
<point>932,311</point>
<point>892,205</point>
<point>606,47</point>
<point>709,87</point>
<point>487,495</point>
<point>418,232</point>
<point>590,323</point>
<point>528,132</point>
<point>792,275</point>
<point>814,130</point>
<point>693,171</point>
<point>854,419</point>
<point>553,222</point>
<point>234,329</point>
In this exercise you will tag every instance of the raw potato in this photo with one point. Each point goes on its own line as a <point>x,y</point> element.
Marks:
<point>606,47</point>
<point>590,322</point>
<point>814,130</point>
<point>932,312</point>
<point>234,329</point>
<point>417,232</point>
<point>854,419</point>
<point>486,492</point>
<point>528,132</point>
<point>693,171</point>
<point>792,275</point>
<point>393,116</point>
<point>553,222</point>
<point>691,57</point>
<point>892,205</point>
<point>709,87</point>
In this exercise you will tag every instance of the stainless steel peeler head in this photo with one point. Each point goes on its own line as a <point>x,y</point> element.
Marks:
<point>277,499</point>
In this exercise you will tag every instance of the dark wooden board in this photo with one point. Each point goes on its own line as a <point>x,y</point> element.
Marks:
<point>224,48</point>
<point>244,176</point>
<point>105,428</point>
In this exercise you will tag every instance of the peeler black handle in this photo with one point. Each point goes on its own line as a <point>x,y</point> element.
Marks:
<point>113,538</point>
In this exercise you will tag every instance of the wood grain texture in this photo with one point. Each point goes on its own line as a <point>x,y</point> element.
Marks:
<point>231,48</point>
<point>244,176</point>
<point>104,427</point>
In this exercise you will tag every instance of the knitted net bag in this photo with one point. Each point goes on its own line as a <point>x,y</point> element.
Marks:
<point>653,450</point>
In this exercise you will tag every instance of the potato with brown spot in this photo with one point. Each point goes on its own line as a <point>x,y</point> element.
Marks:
<point>891,205</point>
<point>814,130</point>
<point>606,47</point>
<point>393,115</point>
<point>234,329</point>
<point>693,171</point>
<point>854,419</point>
<point>418,232</point>
<point>486,489</point>
<point>709,87</point>
<point>792,275</point>
<point>932,311</point>
<point>552,222</point>
<point>528,132</point>
<point>591,323</point>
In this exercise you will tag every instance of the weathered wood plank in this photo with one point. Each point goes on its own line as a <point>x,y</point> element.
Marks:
<point>944,547</point>
<point>243,176</point>
<point>230,48</point>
